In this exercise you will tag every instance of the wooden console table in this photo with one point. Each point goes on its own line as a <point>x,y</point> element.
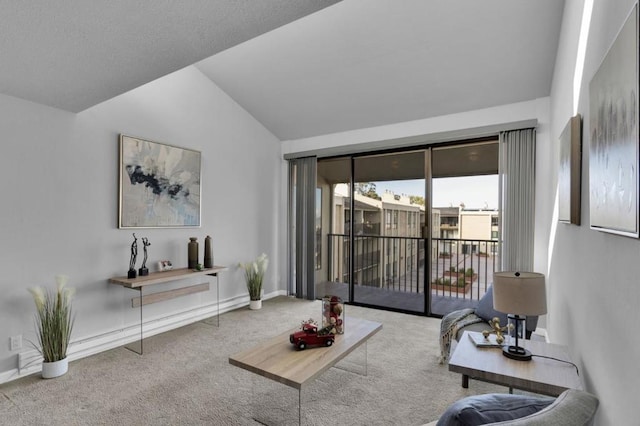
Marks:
<point>140,283</point>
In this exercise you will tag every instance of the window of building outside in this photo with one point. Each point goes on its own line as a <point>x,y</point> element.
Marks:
<point>447,234</point>
<point>395,219</point>
<point>347,221</point>
<point>387,219</point>
<point>494,235</point>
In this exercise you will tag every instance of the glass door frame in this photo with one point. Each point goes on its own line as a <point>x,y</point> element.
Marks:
<point>428,235</point>
<point>425,234</point>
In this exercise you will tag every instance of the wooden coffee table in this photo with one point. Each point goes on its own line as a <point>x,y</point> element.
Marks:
<point>277,359</point>
<point>540,375</point>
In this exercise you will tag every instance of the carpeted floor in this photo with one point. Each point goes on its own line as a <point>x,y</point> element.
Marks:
<point>184,378</point>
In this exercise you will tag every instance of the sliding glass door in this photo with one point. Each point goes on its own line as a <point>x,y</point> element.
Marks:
<point>465,242</point>
<point>373,219</point>
<point>333,271</point>
<point>388,218</point>
<point>414,231</point>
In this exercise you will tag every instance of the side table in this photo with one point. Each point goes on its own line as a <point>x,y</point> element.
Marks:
<point>542,374</point>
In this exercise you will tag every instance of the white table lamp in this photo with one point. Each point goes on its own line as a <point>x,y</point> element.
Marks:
<point>519,293</point>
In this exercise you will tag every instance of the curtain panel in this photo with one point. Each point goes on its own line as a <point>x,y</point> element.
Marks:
<point>517,192</point>
<point>302,187</point>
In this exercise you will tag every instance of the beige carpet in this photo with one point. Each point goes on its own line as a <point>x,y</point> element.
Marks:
<point>184,378</point>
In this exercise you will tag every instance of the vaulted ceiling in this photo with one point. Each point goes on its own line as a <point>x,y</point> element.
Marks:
<point>302,68</point>
<point>74,54</point>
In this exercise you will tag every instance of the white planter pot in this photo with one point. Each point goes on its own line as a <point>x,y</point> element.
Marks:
<point>55,369</point>
<point>255,304</point>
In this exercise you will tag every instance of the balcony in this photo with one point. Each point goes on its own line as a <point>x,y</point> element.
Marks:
<point>390,271</point>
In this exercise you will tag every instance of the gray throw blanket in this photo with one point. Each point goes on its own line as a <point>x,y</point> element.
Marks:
<point>449,327</point>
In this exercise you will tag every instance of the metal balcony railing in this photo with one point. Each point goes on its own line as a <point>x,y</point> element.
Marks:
<point>366,229</point>
<point>459,268</point>
<point>463,268</point>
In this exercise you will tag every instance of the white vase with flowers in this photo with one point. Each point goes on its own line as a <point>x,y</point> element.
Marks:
<point>254,275</point>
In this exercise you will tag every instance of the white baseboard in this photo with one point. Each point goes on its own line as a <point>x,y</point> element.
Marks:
<point>30,362</point>
<point>9,375</point>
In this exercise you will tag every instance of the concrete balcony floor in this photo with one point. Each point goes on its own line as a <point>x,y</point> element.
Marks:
<point>441,302</point>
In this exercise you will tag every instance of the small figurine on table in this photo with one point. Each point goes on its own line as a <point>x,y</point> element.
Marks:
<point>134,255</point>
<point>497,329</point>
<point>310,335</point>
<point>143,269</point>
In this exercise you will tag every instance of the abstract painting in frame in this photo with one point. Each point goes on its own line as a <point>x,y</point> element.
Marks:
<point>570,171</point>
<point>159,185</point>
<point>613,147</point>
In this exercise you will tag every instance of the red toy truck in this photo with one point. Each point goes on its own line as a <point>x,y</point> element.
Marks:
<point>311,336</point>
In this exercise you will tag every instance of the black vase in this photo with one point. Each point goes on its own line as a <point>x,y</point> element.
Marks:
<point>208,256</point>
<point>193,253</point>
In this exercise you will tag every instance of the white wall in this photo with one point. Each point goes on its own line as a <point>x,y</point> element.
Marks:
<point>593,284</point>
<point>60,204</point>
<point>431,129</point>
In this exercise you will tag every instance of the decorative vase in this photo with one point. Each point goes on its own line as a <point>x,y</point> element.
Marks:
<point>255,304</point>
<point>54,369</point>
<point>193,253</point>
<point>208,256</point>
<point>333,314</point>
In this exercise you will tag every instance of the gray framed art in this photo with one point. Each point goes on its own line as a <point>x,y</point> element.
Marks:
<point>159,185</point>
<point>613,142</point>
<point>570,171</point>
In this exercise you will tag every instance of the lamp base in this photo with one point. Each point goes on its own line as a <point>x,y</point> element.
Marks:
<point>516,352</point>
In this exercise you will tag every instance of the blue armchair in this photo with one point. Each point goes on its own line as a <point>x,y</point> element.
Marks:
<point>571,408</point>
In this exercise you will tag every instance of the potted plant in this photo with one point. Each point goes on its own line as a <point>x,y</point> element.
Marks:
<point>54,323</point>
<point>253,274</point>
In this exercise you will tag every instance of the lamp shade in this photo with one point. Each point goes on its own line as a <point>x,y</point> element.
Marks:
<point>519,293</point>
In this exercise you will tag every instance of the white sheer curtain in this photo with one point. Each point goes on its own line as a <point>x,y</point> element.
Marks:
<point>517,182</point>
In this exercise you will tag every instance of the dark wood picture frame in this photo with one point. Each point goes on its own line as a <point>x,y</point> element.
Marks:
<point>570,172</point>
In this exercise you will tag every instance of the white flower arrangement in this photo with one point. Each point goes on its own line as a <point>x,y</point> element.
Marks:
<point>254,274</point>
<point>54,319</point>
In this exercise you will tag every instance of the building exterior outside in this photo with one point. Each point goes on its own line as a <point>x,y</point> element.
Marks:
<point>477,226</point>
<point>449,222</point>
<point>382,251</point>
<point>388,243</point>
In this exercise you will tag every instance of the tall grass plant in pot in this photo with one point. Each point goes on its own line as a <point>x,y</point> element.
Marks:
<point>54,323</point>
<point>254,275</point>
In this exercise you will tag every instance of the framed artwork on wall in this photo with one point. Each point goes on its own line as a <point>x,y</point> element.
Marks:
<point>570,171</point>
<point>159,185</point>
<point>613,141</point>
